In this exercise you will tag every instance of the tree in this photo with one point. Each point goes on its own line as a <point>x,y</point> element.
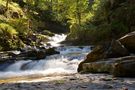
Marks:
<point>7,3</point>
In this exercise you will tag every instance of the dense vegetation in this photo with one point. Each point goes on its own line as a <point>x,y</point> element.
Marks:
<point>23,22</point>
<point>110,19</point>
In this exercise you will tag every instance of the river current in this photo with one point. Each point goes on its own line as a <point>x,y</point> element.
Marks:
<point>64,63</point>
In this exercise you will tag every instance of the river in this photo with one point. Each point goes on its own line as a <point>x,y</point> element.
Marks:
<point>58,72</point>
<point>59,64</point>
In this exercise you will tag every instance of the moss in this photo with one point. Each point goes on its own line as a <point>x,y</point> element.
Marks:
<point>6,29</point>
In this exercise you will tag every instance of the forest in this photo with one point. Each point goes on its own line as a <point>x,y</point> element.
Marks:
<point>99,34</point>
<point>88,21</point>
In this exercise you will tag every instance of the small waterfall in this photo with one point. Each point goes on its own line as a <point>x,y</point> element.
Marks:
<point>55,40</point>
<point>64,63</point>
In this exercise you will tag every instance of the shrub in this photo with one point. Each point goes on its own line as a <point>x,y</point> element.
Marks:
<point>7,30</point>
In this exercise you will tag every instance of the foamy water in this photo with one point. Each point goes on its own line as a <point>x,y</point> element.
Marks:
<point>55,40</point>
<point>64,63</point>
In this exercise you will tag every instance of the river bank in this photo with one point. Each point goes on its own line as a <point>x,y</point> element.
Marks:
<point>71,82</point>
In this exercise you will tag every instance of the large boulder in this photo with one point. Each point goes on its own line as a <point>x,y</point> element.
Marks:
<point>95,55</point>
<point>122,66</point>
<point>116,49</point>
<point>129,41</point>
<point>113,49</point>
<point>97,67</point>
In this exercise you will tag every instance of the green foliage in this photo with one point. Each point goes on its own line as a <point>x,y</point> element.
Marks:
<point>12,24</point>
<point>8,37</point>
<point>107,19</point>
<point>90,21</point>
<point>21,25</point>
<point>7,30</point>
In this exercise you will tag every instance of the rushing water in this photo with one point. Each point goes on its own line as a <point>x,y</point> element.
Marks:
<point>64,63</point>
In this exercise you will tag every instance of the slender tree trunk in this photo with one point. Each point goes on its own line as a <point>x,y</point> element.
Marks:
<point>7,4</point>
<point>78,13</point>
<point>51,5</point>
<point>36,3</point>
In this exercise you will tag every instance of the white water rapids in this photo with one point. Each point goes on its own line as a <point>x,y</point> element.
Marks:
<point>64,63</point>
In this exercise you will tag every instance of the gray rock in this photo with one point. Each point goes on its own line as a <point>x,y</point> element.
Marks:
<point>122,66</point>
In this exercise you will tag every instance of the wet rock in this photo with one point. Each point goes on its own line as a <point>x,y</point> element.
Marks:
<point>110,50</point>
<point>37,54</point>
<point>106,79</point>
<point>106,86</point>
<point>129,41</point>
<point>51,51</point>
<point>81,47</point>
<point>29,65</point>
<point>6,57</point>
<point>73,79</point>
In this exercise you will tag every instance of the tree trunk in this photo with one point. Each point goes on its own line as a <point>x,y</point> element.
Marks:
<point>7,4</point>
<point>78,13</point>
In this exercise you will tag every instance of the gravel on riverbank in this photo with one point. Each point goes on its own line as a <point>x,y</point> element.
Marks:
<point>69,82</point>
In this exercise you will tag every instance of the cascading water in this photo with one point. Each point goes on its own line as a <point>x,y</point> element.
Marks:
<point>55,40</point>
<point>64,63</point>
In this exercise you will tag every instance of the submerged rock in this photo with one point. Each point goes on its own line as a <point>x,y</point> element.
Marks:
<point>51,51</point>
<point>129,41</point>
<point>37,54</point>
